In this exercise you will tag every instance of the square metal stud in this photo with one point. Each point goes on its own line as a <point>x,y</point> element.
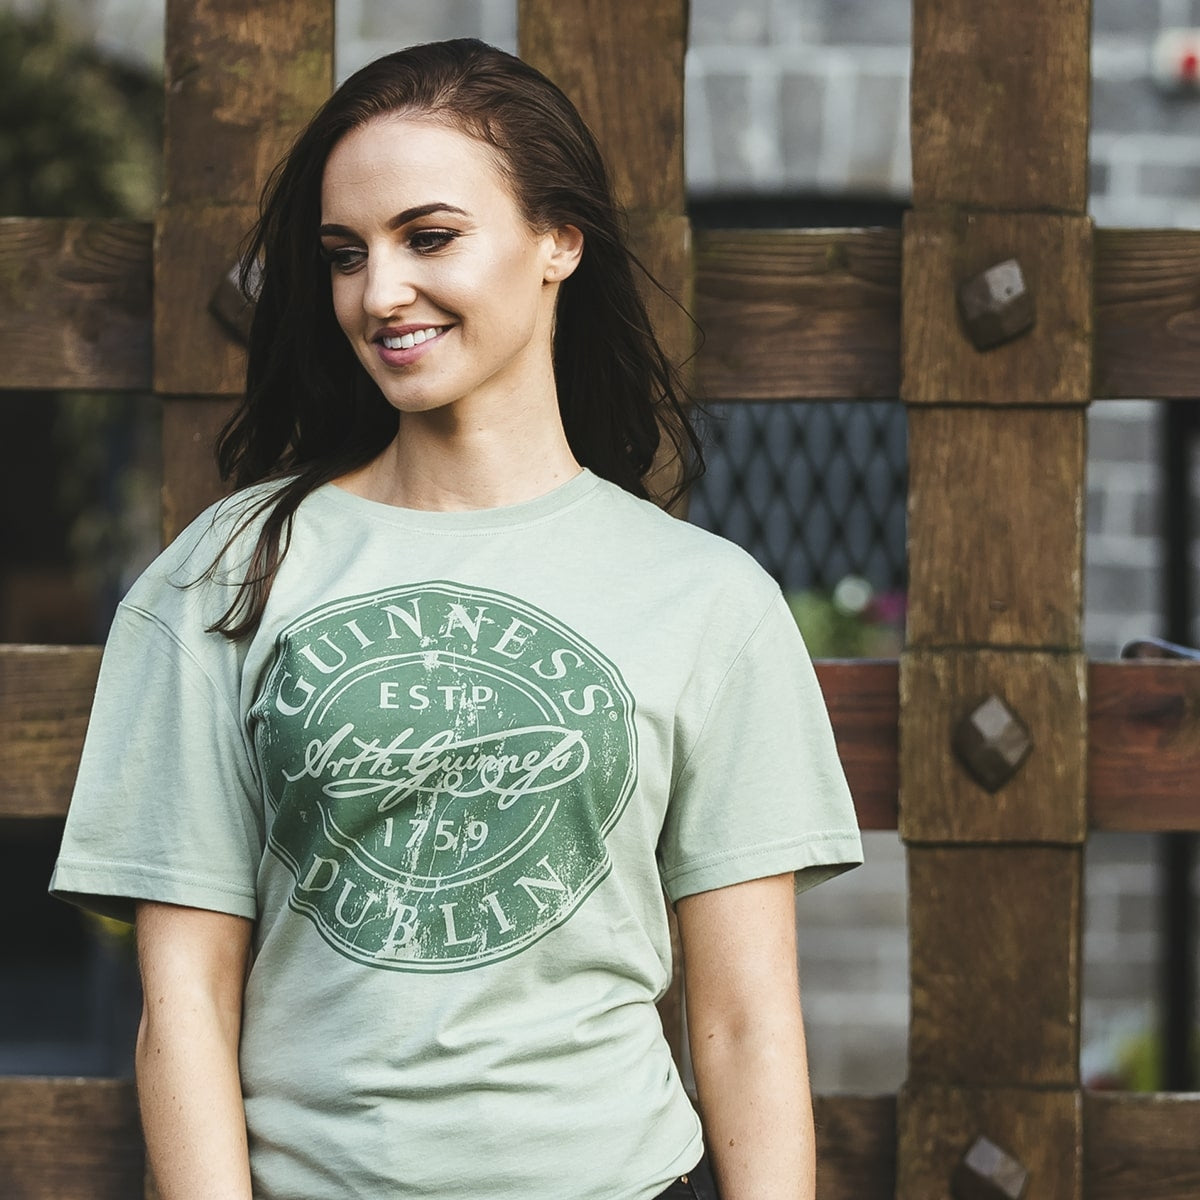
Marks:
<point>997,305</point>
<point>992,742</point>
<point>986,1172</point>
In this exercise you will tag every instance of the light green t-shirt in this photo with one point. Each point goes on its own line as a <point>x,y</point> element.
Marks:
<point>449,778</point>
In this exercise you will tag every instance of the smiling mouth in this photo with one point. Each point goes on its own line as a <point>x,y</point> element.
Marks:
<point>406,341</point>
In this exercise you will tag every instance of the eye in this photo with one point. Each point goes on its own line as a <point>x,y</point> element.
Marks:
<point>427,241</point>
<point>343,259</point>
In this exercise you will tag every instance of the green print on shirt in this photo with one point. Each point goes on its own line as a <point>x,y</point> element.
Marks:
<point>443,763</point>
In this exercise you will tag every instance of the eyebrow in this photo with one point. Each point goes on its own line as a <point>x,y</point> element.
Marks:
<point>400,219</point>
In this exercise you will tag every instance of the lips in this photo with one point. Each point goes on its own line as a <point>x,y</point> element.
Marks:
<point>408,338</point>
<point>399,345</point>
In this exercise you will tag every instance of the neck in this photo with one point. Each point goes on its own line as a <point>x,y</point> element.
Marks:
<point>441,461</point>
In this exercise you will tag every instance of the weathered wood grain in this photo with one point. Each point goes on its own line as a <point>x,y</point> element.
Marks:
<point>78,1139</point>
<point>994,943</point>
<point>798,315</point>
<point>1000,103</point>
<point>856,1147</point>
<point>785,314</point>
<point>1144,1146</point>
<point>1144,749</point>
<point>240,81</point>
<point>191,481</point>
<point>1050,363</point>
<point>622,66</point>
<point>1041,1129</point>
<point>1144,756</point>
<point>75,304</point>
<point>863,702</point>
<point>940,801</point>
<point>1147,313</point>
<point>995,527</point>
<point>69,1139</point>
<point>45,698</point>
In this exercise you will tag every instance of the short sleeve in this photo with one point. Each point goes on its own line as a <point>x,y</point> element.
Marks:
<point>164,806</point>
<point>761,791</point>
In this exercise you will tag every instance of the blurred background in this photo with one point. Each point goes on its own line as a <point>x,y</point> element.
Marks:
<point>797,116</point>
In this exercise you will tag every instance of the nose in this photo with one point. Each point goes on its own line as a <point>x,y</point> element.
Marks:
<point>389,285</point>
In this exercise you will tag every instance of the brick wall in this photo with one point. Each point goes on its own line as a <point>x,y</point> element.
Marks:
<point>808,97</point>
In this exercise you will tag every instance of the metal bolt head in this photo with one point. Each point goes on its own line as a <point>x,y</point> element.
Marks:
<point>996,305</point>
<point>992,742</point>
<point>232,306</point>
<point>986,1172</point>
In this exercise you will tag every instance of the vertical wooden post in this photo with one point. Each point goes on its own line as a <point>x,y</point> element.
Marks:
<point>622,66</point>
<point>993,680</point>
<point>240,82</point>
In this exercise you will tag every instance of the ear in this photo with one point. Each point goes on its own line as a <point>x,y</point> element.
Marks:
<point>565,251</point>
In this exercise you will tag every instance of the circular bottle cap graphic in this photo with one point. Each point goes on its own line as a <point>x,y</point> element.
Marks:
<point>443,764</point>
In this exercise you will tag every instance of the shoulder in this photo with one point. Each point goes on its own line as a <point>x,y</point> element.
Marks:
<point>695,558</point>
<point>196,575</point>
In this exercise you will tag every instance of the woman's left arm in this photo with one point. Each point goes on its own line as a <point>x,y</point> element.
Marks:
<point>747,1038</point>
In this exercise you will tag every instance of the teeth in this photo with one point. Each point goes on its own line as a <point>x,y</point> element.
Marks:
<point>409,340</point>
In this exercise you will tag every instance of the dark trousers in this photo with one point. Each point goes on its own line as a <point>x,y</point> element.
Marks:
<point>697,1184</point>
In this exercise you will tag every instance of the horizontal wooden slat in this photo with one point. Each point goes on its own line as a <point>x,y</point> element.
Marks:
<point>69,1139</point>
<point>798,315</point>
<point>78,1139</point>
<point>786,314</point>
<point>1143,1146</point>
<point>45,698</point>
<point>1144,746</point>
<point>863,698</point>
<point>856,1147</point>
<point>1144,756</point>
<point>75,304</point>
<point>1147,298</point>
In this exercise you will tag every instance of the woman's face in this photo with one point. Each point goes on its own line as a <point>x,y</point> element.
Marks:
<point>445,292</point>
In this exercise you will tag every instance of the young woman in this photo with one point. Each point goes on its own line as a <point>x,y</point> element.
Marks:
<point>395,752</point>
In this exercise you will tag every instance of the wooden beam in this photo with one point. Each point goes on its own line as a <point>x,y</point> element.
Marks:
<point>1000,104</point>
<point>45,698</point>
<point>998,489</point>
<point>1045,800</point>
<point>786,314</point>
<point>864,705</point>
<point>1144,758</point>
<point>1144,748</point>
<point>79,1139</point>
<point>856,1147</point>
<point>1032,1127</point>
<point>1146,1146</point>
<point>994,957</point>
<point>798,315</point>
<point>622,67</point>
<point>240,81</point>
<point>69,1139</point>
<point>1147,313</point>
<point>75,304</point>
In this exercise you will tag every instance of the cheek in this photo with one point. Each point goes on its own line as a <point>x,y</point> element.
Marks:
<point>345,291</point>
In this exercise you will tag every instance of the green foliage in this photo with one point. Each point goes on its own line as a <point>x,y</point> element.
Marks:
<point>80,136</point>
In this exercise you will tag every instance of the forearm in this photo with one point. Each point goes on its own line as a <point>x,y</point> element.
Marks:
<point>757,1110</point>
<point>189,1093</point>
<point>189,1087</point>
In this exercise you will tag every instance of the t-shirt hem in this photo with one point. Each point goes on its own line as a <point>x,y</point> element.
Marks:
<point>113,889</point>
<point>814,858</point>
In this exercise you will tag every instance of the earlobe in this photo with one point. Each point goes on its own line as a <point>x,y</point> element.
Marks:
<point>565,252</point>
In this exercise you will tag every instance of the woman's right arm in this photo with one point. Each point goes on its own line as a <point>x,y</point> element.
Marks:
<point>193,964</point>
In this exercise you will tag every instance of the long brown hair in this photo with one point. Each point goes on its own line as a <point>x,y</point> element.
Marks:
<point>311,413</point>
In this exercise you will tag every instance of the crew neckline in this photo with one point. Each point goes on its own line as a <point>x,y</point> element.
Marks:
<point>465,520</point>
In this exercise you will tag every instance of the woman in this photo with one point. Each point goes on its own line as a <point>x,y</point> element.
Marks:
<point>394,752</point>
